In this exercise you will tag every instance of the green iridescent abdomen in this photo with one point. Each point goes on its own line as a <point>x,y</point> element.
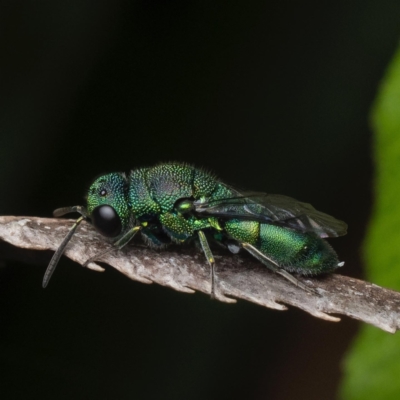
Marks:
<point>295,251</point>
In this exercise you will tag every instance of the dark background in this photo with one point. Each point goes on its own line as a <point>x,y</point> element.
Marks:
<point>270,96</point>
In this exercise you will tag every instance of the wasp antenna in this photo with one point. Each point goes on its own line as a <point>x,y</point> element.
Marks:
<point>66,210</point>
<point>62,211</point>
<point>57,255</point>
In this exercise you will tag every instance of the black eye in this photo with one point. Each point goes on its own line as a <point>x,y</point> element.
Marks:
<point>106,221</point>
<point>103,192</point>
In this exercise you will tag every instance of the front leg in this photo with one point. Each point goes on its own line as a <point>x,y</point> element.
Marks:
<point>119,244</point>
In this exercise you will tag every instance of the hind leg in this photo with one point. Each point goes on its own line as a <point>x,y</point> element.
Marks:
<point>276,268</point>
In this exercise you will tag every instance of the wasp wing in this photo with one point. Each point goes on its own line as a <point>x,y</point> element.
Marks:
<point>273,209</point>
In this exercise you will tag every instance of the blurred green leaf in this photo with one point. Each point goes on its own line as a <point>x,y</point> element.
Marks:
<point>372,368</point>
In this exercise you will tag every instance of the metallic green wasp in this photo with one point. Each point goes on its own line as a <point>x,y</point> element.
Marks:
<point>176,203</point>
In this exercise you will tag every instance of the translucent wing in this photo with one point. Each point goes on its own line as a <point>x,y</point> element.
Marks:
<point>273,209</point>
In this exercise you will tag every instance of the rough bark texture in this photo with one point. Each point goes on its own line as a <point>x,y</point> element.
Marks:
<point>184,269</point>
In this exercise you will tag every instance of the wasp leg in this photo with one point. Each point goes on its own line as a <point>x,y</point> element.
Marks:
<point>119,244</point>
<point>210,259</point>
<point>155,240</point>
<point>276,268</point>
<point>176,227</point>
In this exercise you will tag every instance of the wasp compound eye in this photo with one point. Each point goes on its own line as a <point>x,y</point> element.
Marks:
<point>106,221</point>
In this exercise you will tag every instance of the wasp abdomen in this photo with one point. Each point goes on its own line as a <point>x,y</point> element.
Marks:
<point>294,251</point>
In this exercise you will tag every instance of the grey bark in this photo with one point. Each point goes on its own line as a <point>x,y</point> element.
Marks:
<point>184,268</point>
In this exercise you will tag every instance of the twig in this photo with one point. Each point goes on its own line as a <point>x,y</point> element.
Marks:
<point>184,269</point>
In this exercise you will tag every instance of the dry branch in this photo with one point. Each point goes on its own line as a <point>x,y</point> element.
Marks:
<point>184,269</point>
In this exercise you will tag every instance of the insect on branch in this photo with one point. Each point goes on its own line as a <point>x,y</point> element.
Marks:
<point>184,269</point>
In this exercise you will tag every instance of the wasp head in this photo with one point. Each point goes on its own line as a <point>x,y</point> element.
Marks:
<point>107,204</point>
